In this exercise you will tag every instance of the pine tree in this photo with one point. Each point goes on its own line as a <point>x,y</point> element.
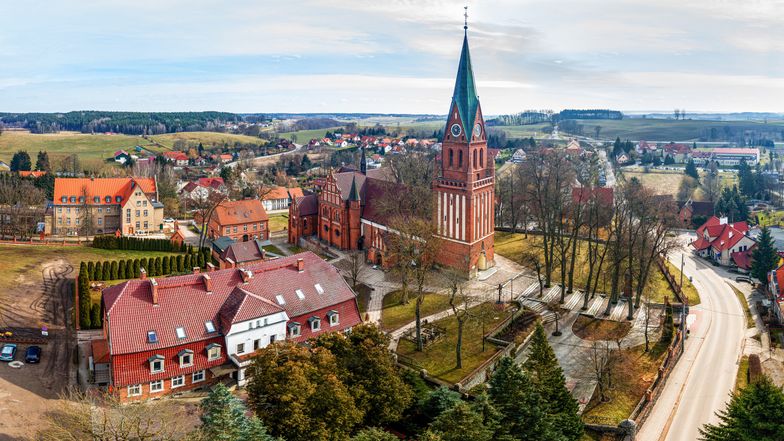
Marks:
<point>158,266</point>
<point>42,163</point>
<point>755,413</point>
<point>514,395</point>
<point>187,264</point>
<point>439,401</point>
<point>180,263</point>
<point>548,380</point>
<point>691,170</point>
<point>461,423</point>
<point>21,161</point>
<point>129,273</point>
<point>90,269</point>
<point>84,302</point>
<point>223,418</point>
<point>764,256</point>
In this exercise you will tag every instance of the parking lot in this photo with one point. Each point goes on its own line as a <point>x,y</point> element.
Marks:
<point>40,296</point>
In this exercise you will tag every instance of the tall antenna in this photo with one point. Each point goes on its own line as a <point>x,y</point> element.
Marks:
<point>465,15</point>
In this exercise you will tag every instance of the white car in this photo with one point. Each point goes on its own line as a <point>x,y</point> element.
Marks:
<point>168,220</point>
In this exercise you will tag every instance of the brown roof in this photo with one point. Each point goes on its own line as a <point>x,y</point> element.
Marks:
<point>100,350</point>
<point>240,212</point>
<point>244,251</point>
<point>307,205</point>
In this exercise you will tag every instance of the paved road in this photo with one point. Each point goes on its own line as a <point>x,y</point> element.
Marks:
<point>705,375</point>
<point>297,148</point>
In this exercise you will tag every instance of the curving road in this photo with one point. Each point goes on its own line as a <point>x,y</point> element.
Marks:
<point>701,382</point>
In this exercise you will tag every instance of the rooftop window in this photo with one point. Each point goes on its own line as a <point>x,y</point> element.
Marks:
<point>209,326</point>
<point>319,288</point>
<point>152,337</point>
<point>180,332</point>
<point>300,294</point>
<point>280,299</point>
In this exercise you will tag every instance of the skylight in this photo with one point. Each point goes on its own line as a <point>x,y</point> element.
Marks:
<point>180,332</point>
<point>300,294</point>
<point>152,337</point>
<point>280,299</point>
<point>319,288</point>
<point>210,326</point>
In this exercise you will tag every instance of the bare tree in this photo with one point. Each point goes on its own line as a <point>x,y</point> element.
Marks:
<point>355,267</point>
<point>461,309</point>
<point>599,355</point>
<point>83,416</point>
<point>86,221</point>
<point>204,205</point>
<point>531,259</point>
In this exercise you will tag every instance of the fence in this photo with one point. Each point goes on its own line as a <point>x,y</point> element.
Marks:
<point>671,280</point>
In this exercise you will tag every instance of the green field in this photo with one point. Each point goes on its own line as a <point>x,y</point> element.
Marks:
<point>303,136</point>
<point>58,145</point>
<point>670,129</point>
<point>668,181</point>
<point>207,139</point>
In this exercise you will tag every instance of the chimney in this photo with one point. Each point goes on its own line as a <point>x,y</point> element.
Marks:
<point>230,262</point>
<point>196,270</point>
<point>154,288</point>
<point>142,273</point>
<point>301,264</point>
<point>210,267</point>
<point>246,275</point>
<point>207,283</point>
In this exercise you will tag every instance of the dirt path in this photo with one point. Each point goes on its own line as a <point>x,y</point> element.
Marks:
<point>28,392</point>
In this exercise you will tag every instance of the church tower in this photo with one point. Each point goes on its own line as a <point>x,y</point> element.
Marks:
<point>465,188</point>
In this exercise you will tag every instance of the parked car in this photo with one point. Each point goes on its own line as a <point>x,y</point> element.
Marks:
<point>8,352</point>
<point>33,354</point>
<point>740,279</point>
<point>169,220</point>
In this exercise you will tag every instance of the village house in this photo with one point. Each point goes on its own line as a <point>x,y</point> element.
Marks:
<point>240,220</point>
<point>691,209</point>
<point>186,332</point>
<point>242,254</point>
<point>725,243</point>
<point>202,188</point>
<point>518,157</point>
<point>179,159</point>
<point>277,199</point>
<point>127,206</point>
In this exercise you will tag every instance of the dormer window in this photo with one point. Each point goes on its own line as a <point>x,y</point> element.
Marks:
<point>334,317</point>
<point>64,199</point>
<point>118,199</point>
<point>152,337</point>
<point>180,331</point>
<point>97,200</point>
<point>295,330</point>
<point>213,351</point>
<point>156,364</point>
<point>315,323</point>
<point>186,358</point>
<point>73,199</point>
<point>209,326</point>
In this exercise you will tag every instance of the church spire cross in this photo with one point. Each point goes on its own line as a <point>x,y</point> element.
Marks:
<point>465,16</point>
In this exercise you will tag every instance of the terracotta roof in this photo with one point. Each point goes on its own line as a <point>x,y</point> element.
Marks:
<point>283,193</point>
<point>307,205</point>
<point>241,306</point>
<point>742,258</point>
<point>240,212</point>
<point>100,187</point>
<point>701,243</point>
<point>214,183</point>
<point>243,251</point>
<point>34,173</point>
<point>184,301</point>
<point>177,156</point>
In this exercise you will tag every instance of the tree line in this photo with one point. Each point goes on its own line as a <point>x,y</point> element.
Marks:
<point>111,242</point>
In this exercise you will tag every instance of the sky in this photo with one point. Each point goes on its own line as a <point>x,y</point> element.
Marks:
<point>390,56</point>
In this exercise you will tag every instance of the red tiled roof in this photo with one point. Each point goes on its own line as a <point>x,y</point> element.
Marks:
<point>241,306</point>
<point>177,156</point>
<point>742,258</point>
<point>240,212</point>
<point>241,252</point>
<point>307,205</point>
<point>283,193</point>
<point>701,243</point>
<point>214,183</point>
<point>34,173</point>
<point>100,187</point>
<point>183,301</point>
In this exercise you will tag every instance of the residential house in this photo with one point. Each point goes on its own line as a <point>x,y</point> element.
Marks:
<point>240,220</point>
<point>694,210</point>
<point>242,254</point>
<point>518,157</point>
<point>202,188</point>
<point>720,241</point>
<point>127,206</point>
<point>187,332</point>
<point>278,199</point>
<point>179,159</point>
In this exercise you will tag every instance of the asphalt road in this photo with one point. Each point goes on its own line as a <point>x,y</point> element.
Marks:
<point>704,377</point>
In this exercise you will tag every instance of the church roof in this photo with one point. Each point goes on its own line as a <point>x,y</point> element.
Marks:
<point>353,194</point>
<point>465,91</point>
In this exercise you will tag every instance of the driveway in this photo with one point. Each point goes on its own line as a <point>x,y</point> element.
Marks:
<point>701,383</point>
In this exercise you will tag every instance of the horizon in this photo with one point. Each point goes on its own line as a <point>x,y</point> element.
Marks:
<point>353,56</point>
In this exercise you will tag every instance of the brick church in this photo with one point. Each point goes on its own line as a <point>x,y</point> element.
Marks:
<point>346,212</point>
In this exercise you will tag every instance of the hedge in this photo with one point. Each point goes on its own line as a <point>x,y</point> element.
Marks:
<point>111,242</point>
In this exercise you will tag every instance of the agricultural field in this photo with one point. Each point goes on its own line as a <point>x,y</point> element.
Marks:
<point>59,145</point>
<point>668,181</point>
<point>207,139</point>
<point>303,136</point>
<point>669,129</point>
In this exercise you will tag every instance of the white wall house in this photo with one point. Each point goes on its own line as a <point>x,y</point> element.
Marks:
<point>248,336</point>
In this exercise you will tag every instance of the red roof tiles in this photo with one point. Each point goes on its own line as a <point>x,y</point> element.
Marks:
<point>100,187</point>
<point>240,212</point>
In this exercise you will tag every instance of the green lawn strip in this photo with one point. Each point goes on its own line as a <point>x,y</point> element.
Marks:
<point>395,314</point>
<point>745,304</point>
<point>274,249</point>
<point>634,373</point>
<point>741,379</point>
<point>278,222</point>
<point>688,288</point>
<point>439,358</point>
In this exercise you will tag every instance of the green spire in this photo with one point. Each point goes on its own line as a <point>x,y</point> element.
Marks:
<point>465,91</point>
<point>353,194</point>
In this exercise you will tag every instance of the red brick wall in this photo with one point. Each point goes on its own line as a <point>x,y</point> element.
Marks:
<point>122,391</point>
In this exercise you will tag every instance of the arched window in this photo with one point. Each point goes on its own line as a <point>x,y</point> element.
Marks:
<point>460,159</point>
<point>451,157</point>
<point>474,158</point>
<point>481,157</point>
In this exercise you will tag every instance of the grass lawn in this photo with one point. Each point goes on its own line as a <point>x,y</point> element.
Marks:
<point>207,139</point>
<point>395,314</point>
<point>439,357</point>
<point>589,328</point>
<point>666,130</point>
<point>278,222</point>
<point>274,249</point>
<point>745,304</point>
<point>634,373</point>
<point>303,136</point>
<point>770,218</point>
<point>688,287</point>
<point>741,380</point>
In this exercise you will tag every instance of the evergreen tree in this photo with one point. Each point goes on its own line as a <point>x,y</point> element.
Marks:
<point>97,272</point>
<point>617,147</point>
<point>144,264</point>
<point>129,273</point>
<point>165,265</point>
<point>548,380</point>
<point>513,394</point>
<point>223,418</point>
<point>439,401</point>
<point>42,163</point>
<point>461,423</point>
<point>83,286</point>
<point>95,316</point>
<point>90,269</point>
<point>158,266</point>
<point>691,170</point>
<point>180,263</point>
<point>756,413</point>
<point>21,161</point>
<point>187,264</point>
<point>121,269</point>
<point>764,256</point>
<point>114,270</point>
<point>136,268</point>
<point>374,434</point>
<point>748,185</point>
<point>107,271</point>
